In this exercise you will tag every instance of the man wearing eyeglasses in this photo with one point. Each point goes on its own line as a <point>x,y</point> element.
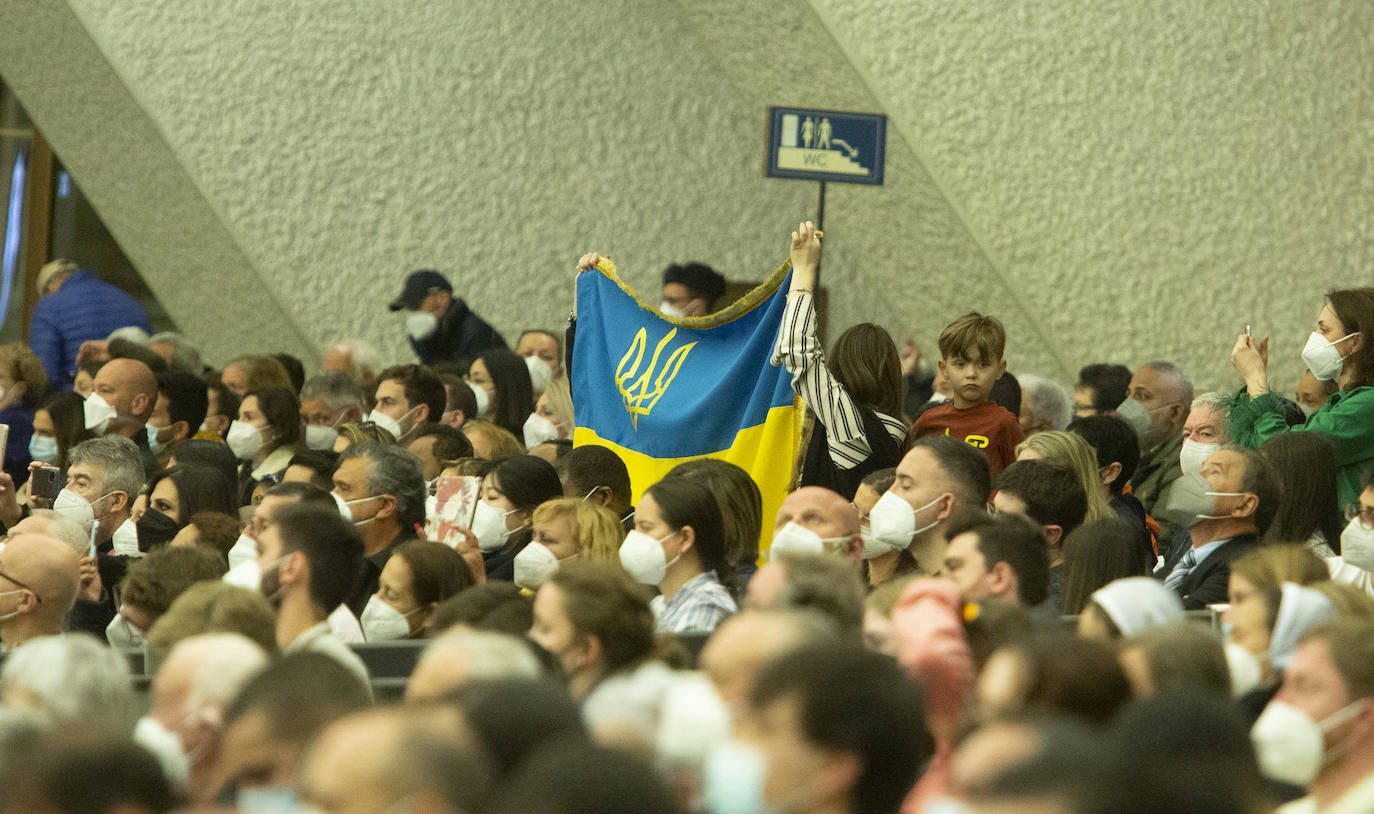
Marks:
<point>38,579</point>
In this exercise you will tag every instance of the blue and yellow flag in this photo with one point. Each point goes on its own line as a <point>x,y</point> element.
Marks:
<point>661,390</point>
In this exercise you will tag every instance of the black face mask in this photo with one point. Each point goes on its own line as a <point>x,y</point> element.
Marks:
<point>155,530</point>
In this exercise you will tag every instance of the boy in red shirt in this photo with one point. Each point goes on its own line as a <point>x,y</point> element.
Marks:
<point>971,349</point>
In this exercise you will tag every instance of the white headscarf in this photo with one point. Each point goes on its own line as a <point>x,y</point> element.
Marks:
<point>1300,610</point>
<point>1139,604</point>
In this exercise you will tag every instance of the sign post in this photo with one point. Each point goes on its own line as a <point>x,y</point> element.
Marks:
<point>826,145</point>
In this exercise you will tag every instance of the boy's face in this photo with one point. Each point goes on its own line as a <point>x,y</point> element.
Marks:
<point>971,380</point>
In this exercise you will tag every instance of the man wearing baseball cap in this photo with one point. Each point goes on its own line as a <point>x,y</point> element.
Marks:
<point>441,326</point>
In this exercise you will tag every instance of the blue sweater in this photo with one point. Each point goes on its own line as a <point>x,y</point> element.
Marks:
<point>84,308</point>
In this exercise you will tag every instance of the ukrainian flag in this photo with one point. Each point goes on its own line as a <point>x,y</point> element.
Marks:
<point>660,390</point>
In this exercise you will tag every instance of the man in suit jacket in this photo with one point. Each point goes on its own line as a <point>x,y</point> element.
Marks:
<point>1244,498</point>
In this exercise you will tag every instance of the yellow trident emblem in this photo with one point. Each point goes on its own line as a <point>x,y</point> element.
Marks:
<point>637,393</point>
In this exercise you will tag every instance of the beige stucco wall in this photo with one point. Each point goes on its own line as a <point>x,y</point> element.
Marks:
<point>1117,180</point>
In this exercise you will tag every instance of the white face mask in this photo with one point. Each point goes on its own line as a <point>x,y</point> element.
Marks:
<point>669,310</point>
<point>320,437</point>
<point>244,548</point>
<point>119,633</point>
<point>244,440</point>
<point>381,622</point>
<point>643,557</point>
<point>1322,357</point>
<point>795,539</point>
<point>483,400</point>
<point>1134,413</point>
<point>75,508</point>
<point>125,540</point>
<point>98,413</point>
<point>1191,500</point>
<point>540,373</point>
<point>388,423</point>
<point>247,574</point>
<point>534,565</point>
<point>733,777</point>
<point>893,521</point>
<point>1194,454</point>
<point>421,325</point>
<point>347,513</point>
<point>489,526</point>
<point>873,547</point>
<point>538,430</point>
<point>165,745</point>
<point>1290,746</point>
<point>1357,545</point>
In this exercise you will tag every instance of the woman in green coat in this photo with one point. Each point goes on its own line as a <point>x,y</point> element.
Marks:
<point>1339,349</point>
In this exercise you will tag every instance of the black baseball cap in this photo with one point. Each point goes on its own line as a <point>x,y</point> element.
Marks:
<point>418,285</point>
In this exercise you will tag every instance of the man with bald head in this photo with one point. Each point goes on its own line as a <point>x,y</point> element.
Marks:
<point>122,402</point>
<point>51,524</point>
<point>38,578</point>
<point>817,520</point>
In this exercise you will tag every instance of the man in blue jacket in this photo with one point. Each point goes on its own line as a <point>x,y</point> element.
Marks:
<point>76,306</point>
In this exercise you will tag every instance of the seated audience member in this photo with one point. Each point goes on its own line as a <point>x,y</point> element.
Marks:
<point>971,348</point>
<point>190,693</point>
<point>1175,658</point>
<point>365,432</point>
<point>881,562</point>
<point>816,582</point>
<point>461,656</point>
<point>395,757</point>
<point>274,718</point>
<point>1045,405</point>
<point>58,426</point>
<point>741,506</point>
<point>511,490</point>
<point>1118,454</point>
<point>1227,507</point>
<point>1096,554</point>
<point>214,607</point>
<point>1204,431</point>
<point>595,621</point>
<point>555,406</point>
<point>1330,681</point>
<point>243,556</point>
<point>491,442</point>
<point>330,399</point>
<point>178,352</point>
<point>175,495</point>
<point>267,434</point>
<point>441,327</point>
<point>568,775</point>
<point>310,559</point>
<point>1032,764</point>
<point>209,453</point>
<point>1050,496</point>
<point>39,577</point>
<point>1128,607</point>
<point>499,607</point>
<point>836,728</point>
<point>407,396</point>
<point>1269,566</point>
<point>1311,393</point>
<point>515,716</point>
<point>546,345</point>
<point>181,408</point>
<point>247,374</point>
<point>596,474</point>
<point>1270,624</point>
<point>565,528</point>
<point>381,491</point>
<point>23,387</point>
<point>49,523</point>
<point>418,576</point>
<point>460,404</point>
<point>816,520</point>
<point>131,779</point>
<point>1160,397</point>
<point>1054,673</point>
<point>1002,556</point>
<point>1075,454</point>
<point>936,478</point>
<point>123,400</point>
<point>356,359</point>
<point>312,466</point>
<point>696,584</point>
<point>505,378</point>
<point>1101,389</point>
<point>438,447</point>
<point>855,394</point>
<point>744,644</point>
<point>76,684</point>
<point>221,409</point>
<point>152,584</point>
<point>1310,513</point>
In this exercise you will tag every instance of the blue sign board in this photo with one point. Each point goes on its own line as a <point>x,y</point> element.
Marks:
<point>826,145</point>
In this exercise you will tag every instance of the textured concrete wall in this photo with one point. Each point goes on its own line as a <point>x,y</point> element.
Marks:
<point>1116,180</point>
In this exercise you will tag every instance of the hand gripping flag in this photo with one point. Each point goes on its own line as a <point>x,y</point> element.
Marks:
<point>661,390</point>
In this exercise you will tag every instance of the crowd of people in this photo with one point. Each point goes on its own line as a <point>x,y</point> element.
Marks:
<point>397,586</point>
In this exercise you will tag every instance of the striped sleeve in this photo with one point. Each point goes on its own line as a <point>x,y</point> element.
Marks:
<point>800,352</point>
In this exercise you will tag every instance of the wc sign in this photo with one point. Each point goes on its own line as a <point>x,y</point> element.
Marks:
<point>826,145</point>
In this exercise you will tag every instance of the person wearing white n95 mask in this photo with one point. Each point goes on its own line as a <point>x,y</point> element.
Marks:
<point>817,520</point>
<point>407,396</point>
<point>419,575</point>
<point>565,530</point>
